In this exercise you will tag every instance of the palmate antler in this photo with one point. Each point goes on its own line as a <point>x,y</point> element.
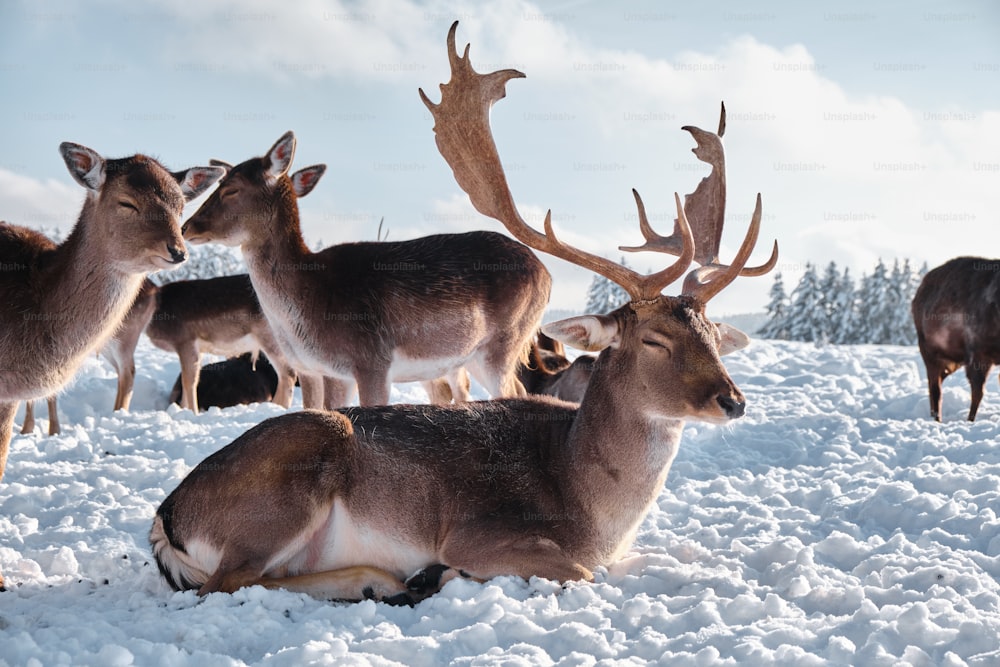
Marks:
<point>465,140</point>
<point>705,209</point>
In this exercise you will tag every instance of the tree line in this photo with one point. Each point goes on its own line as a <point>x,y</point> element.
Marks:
<point>833,308</point>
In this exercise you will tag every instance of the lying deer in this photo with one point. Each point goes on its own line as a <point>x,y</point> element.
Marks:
<point>956,310</point>
<point>218,316</point>
<point>119,351</point>
<point>58,303</point>
<point>245,379</point>
<point>374,313</point>
<point>347,504</point>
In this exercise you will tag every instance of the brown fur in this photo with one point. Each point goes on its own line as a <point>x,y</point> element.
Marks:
<point>220,315</point>
<point>956,311</point>
<point>529,486</point>
<point>349,311</point>
<point>548,372</point>
<point>59,303</point>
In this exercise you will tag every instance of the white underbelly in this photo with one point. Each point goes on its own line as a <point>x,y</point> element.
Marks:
<point>230,348</point>
<point>345,541</point>
<point>405,369</point>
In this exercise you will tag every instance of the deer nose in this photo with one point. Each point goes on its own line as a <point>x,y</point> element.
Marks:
<point>177,255</point>
<point>734,409</point>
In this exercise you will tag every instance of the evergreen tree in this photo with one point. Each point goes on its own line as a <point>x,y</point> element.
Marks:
<point>843,311</point>
<point>901,287</point>
<point>777,312</point>
<point>605,295</point>
<point>828,287</point>
<point>874,310</point>
<point>807,316</point>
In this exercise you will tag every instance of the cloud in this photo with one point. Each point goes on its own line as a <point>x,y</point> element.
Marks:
<point>47,205</point>
<point>844,176</point>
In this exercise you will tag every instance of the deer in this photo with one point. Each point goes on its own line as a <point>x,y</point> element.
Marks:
<point>550,373</point>
<point>955,313</point>
<point>245,379</point>
<point>373,313</point>
<point>120,353</point>
<point>218,315</point>
<point>391,502</point>
<point>58,303</point>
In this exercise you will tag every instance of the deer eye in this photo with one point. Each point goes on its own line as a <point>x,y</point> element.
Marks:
<point>656,344</point>
<point>129,205</point>
<point>228,192</point>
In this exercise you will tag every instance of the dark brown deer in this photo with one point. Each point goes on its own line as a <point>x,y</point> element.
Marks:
<point>549,373</point>
<point>216,316</point>
<point>59,303</point>
<point>234,381</point>
<point>956,310</point>
<point>375,313</point>
<point>348,504</point>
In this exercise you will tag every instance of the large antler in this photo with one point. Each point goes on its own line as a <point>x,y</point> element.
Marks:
<point>465,140</point>
<point>706,212</point>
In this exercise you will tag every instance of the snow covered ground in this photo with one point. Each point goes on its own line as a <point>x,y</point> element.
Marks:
<point>834,524</point>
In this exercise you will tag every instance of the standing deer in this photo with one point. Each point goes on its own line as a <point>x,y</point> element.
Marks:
<point>59,303</point>
<point>119,351</point>
<point>375,313</point>
<point>956,310</point>
<point>347,504</point>
<point>219,316</point>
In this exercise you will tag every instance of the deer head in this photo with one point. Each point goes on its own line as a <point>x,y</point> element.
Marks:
<point>668,338</point>
<point>236,208</point>
<point>135,205</point>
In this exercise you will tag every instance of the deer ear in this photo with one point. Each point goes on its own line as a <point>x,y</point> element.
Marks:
<point>305,179</point>
<point>732,339</point>
<point>220,163</point>
<point>196,180</point>
<point>85,165</point>
<point>280,156</point>
<point>590,333</point>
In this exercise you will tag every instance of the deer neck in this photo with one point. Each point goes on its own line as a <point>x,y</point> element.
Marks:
<point>620,459</point>
<point>85,294</point>
<point>276,258</point>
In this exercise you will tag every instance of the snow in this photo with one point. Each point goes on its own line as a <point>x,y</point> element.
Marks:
<point>835,524</point>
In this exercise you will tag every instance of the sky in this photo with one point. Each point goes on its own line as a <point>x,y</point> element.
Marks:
<point>871,129</point>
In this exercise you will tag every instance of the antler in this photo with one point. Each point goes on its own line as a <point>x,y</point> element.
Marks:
<point>465,140</point>
<point>706,211</point>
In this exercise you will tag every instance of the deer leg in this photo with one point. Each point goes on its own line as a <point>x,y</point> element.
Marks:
<point>126,382</point>
<point>976,370</point>
<point>349,583</point>
<point>937,371</point>
<point>312,391</point>
<point>336,393</point>
<point>286,386</point>
<point>458,381</point>
<point>521,555</point>
<point>29,417</point>
<point>438,391</point>
<point>374,387</point>
<point>497,380</point>
<point>7,413</point>
<point>190,369</point>
<point>53,415</point>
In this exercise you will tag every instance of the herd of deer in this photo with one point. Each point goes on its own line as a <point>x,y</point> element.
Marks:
<point>386,501</point>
